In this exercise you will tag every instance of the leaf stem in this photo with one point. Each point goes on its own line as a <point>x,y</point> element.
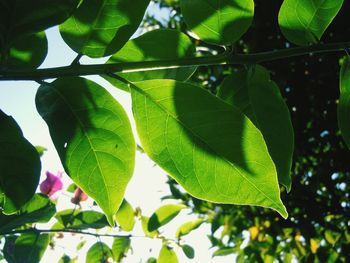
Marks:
<point>123,67</point>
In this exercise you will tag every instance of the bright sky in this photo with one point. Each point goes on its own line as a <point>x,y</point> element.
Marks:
<point>144,190</point>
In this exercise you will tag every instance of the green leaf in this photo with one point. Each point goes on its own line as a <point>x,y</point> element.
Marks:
<point>120,247</point>
<point>164,215</point>
<point>303,22</point>
<point>29,248</point>
<point>19,165</point>
<point>219,22</point>
<point>125,216</point>
<point>261,101</point>
<point>27,52</point>
<point>100,28</point>
<point>71,218</point>
<point>167,255</point>
<point>144,224</point>
<point>288,257</point>
<point>93,137</point>
<point>187,227</point>
<point>39,209</point>
<point>332,237</point>
<point>344,101</point>
<point>208,146</point>
<point>224,251</point>
<point>174,45</point>
<point>98,252</point>
<point>81,244</point>
<point>268,257</point>
<point>71,188</point>
<point>151,260</point>
<point>66,259</point>
<point>40,150</point>
<point>22,17</point>
<point>188,251</point>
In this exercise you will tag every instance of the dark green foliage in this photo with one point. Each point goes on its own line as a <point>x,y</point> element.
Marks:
<point>76,219</point>
<point>19,165</point>
<point>38,210</point>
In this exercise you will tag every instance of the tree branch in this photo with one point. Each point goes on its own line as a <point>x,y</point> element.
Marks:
<point>76,231</point>
<point>64,230</point>
<point>123,67</point>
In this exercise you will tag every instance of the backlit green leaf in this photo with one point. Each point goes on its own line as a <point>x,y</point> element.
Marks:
<point>93,137</point>
<point>27,52</point>
<point>218,22</point>
<point>30,247</point>
<point>120,247</point>
<point>344,101</point>
<point>303,22</point>
<point>100,28</point>
<point>187,227</point>
<point>23,17</point>
<point>81,219</point>
<point>261,101</point>
<point>332,237</point>
<point>208,146</point>
<point>174,45</point>
<point>151,260</point>
<point>167,255</point>
<point>98,252</point>
<point>144,224</point>
<point>224,251</point>
<point>125,216</point>
<point>71,188</point>
<point>38,210</point>
<point>163,215</point>
<point>41,150</point>
<point>19,165</point>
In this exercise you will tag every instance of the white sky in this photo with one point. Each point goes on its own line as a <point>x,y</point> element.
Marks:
<point>144,190</point>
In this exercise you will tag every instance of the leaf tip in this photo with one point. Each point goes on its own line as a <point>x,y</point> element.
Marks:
<point>110,220</point>
<point>282,211</point>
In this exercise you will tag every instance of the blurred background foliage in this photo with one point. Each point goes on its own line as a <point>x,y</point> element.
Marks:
<point>317,229</point>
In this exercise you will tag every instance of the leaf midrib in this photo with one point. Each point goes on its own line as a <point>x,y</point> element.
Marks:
<point>90,143</point>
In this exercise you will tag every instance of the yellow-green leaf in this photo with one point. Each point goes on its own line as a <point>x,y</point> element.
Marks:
<point>260,99</point>
<point>167,255</point>
<point>303,22</point>
<point>187,227</point>
<point>120,247</point>
<point>209,147</point>
<point>101,27</point>
<point>174,45</point>
<point>163,215</point>
<point>144,223</point>
<point>125,216</point>
<point>218,22</point>
<point>92,136</point>
<point>99,252</point>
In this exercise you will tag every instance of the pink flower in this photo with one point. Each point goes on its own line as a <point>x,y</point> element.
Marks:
<point>51,184</point>
<point>79,196</point>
